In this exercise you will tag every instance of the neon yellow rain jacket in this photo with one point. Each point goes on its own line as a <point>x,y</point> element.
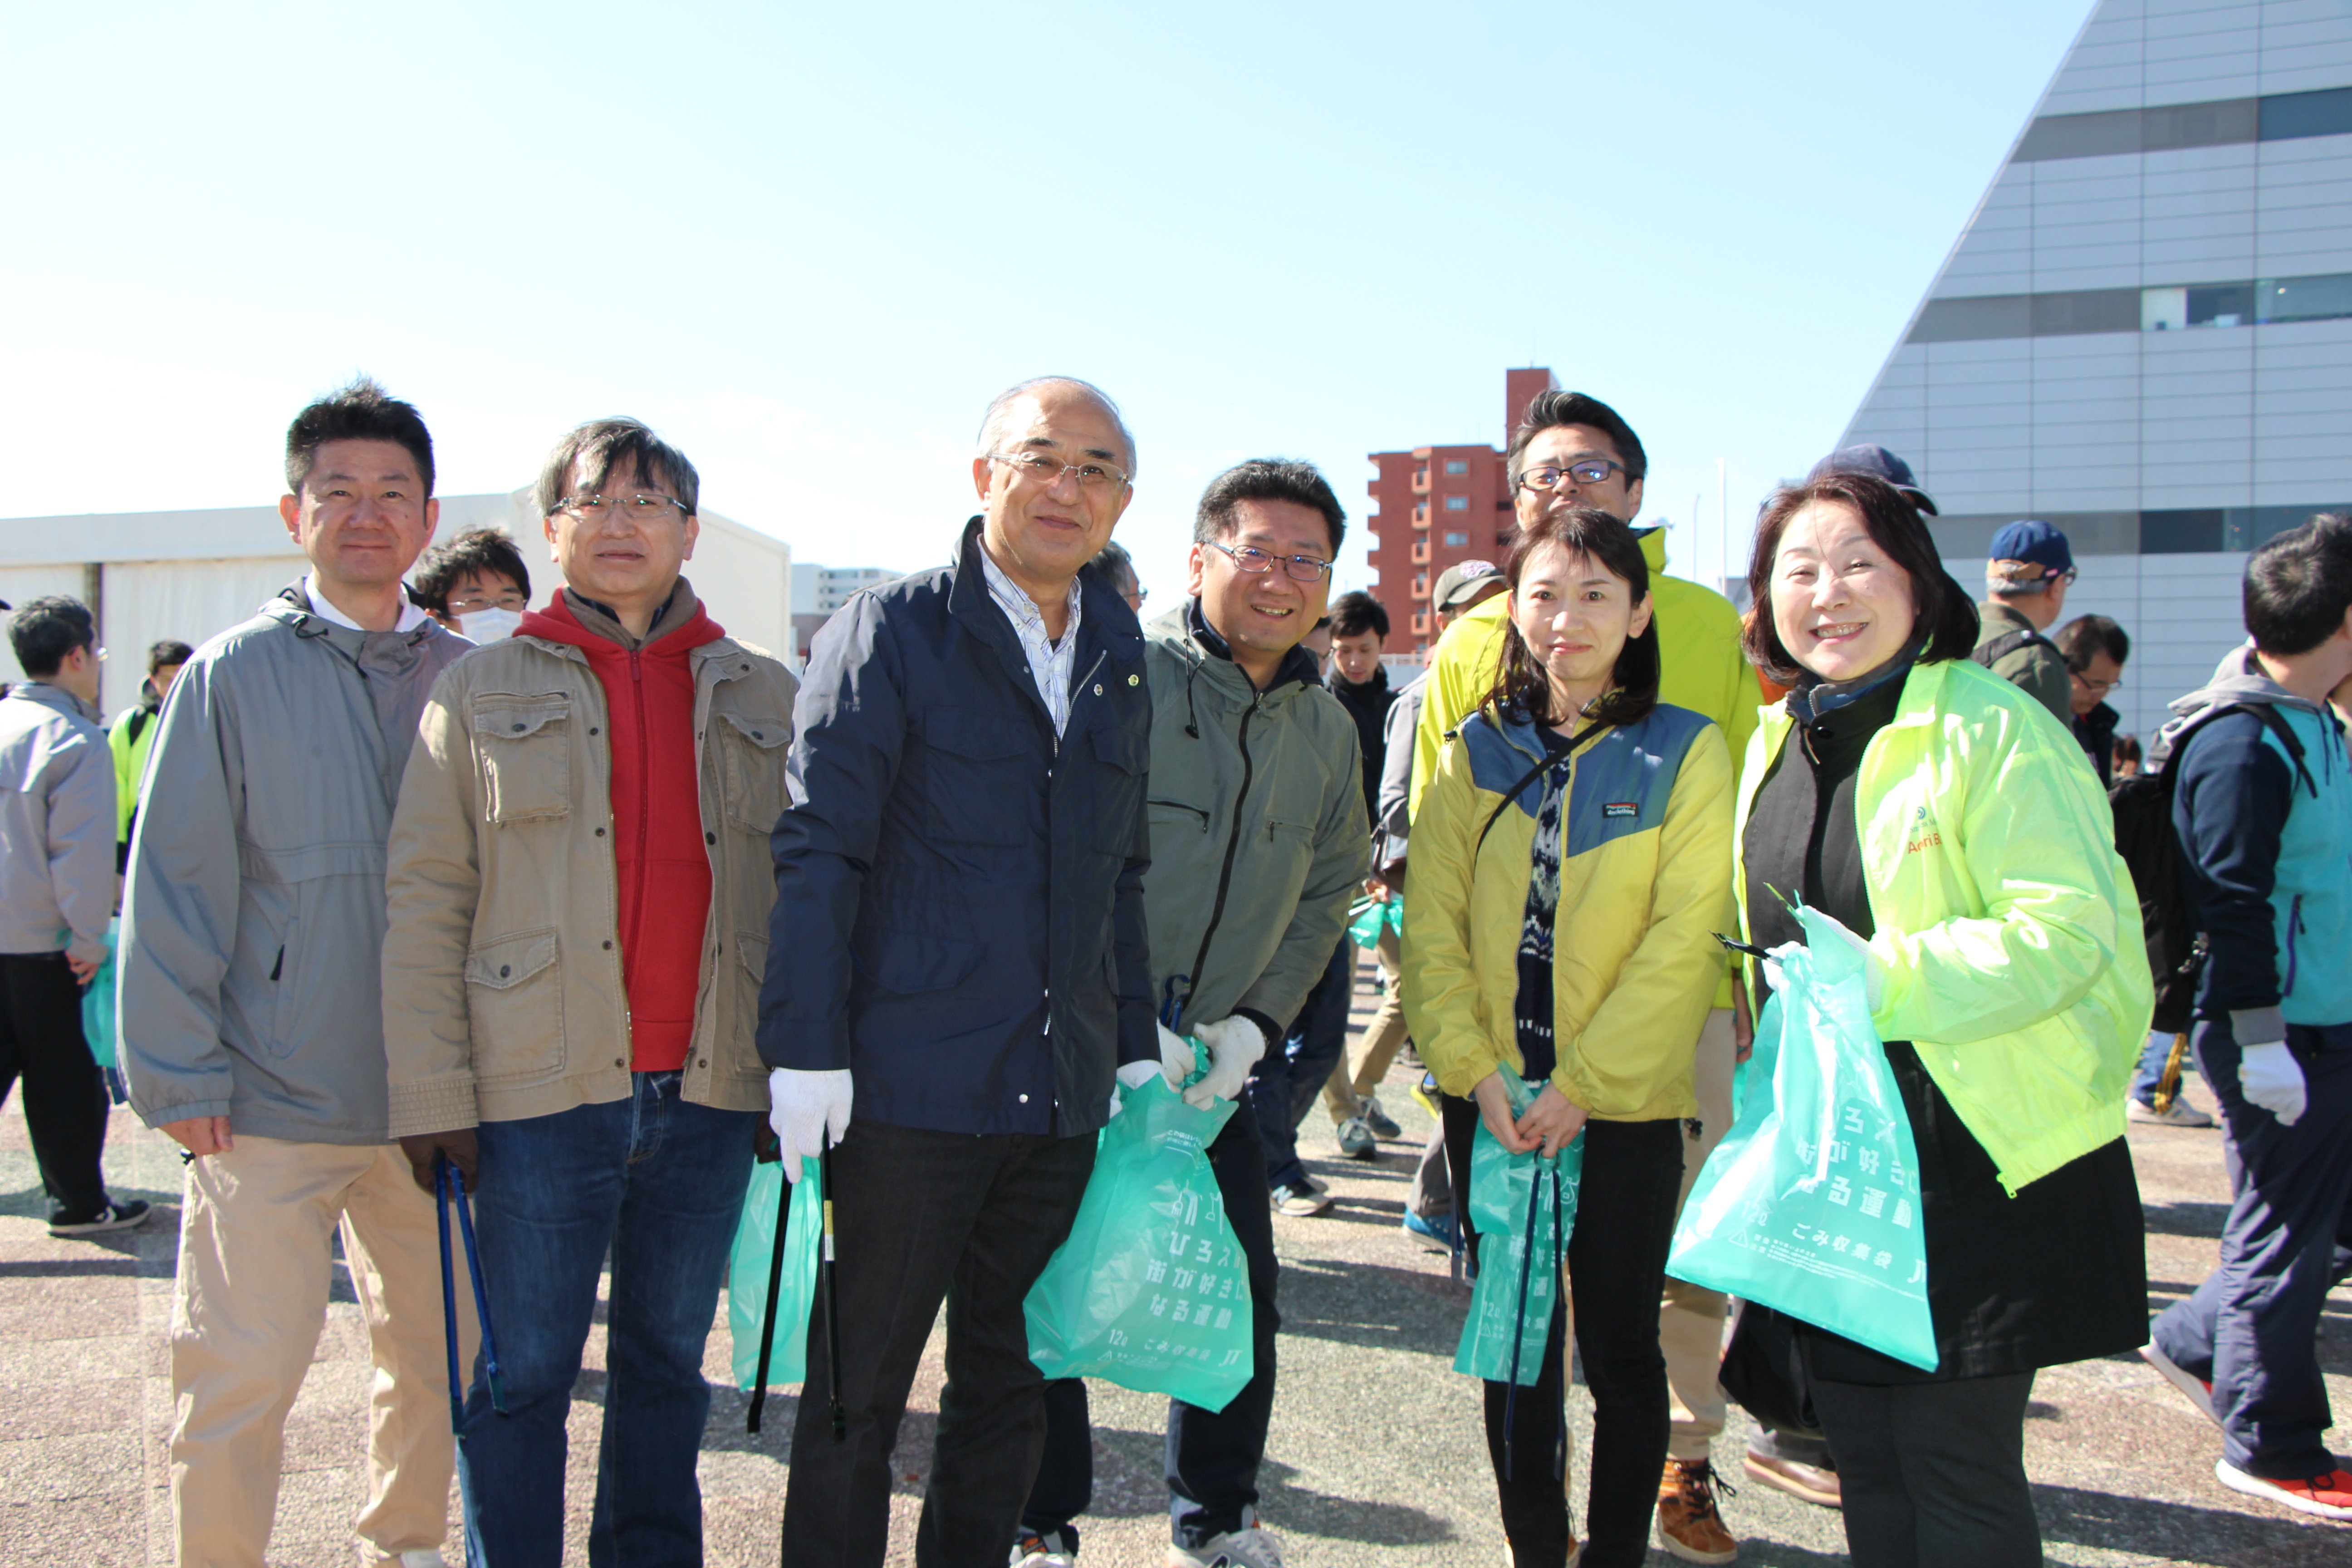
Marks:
<point>1645,882</point>
<point>2007,922</point>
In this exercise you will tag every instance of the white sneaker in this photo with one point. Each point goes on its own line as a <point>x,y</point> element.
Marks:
<point>1248,1547</point>
<point>2179,1113</point>
<point>1047,1551</point>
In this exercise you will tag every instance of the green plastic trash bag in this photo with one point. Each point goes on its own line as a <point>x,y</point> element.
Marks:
<point>97,1014</point>
<point>1150,1291</point>
<point>1524,1208</point>
<point>1810,1204</point>
<point>747,1274</point>
<point>1367,918</point>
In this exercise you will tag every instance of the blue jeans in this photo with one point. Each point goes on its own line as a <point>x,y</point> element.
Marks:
<point>2150,1071</point>
<point>1292,1074</point>
<point>660,1182</point>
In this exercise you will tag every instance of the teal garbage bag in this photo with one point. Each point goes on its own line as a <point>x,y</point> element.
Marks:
<point>97,1014</point>
<point>1368,918</point>
<point>1810,1204</point>
<point>1150,1291</point>
<point>747,1274</point>
<point>1523,1209</point>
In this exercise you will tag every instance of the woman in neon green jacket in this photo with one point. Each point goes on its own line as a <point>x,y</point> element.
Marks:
<point>1952,827</point>
<point>1570,861</point>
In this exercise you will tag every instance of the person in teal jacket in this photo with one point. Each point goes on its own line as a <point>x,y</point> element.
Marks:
<point>133,737</point>
<point>1945,818</point>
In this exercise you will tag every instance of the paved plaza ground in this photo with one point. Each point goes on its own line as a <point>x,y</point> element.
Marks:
<point>1376,1456</point>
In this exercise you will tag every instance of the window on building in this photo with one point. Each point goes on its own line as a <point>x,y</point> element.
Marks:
<point>1456,466</point>
<point>1458,504</point>
<point>1456,538</point>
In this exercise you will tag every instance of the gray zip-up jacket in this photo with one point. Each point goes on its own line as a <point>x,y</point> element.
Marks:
<point>1257,828</point>
<point>253,929</point>
<point>57,813</point>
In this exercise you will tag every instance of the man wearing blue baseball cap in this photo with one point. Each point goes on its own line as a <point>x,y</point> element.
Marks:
<point>2025,587</point>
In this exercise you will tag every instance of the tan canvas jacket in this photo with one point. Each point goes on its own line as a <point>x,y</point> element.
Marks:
<point>502,988</point>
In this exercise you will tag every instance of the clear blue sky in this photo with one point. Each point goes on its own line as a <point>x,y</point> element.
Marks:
<point>809,242</point>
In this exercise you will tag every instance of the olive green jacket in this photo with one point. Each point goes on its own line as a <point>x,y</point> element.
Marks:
<point>2035,668</point>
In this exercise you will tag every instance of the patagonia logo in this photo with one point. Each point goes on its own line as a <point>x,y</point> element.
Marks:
<point>1620,808</point>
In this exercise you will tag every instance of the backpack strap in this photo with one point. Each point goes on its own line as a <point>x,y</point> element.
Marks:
<point>2007,643</point>
<point>1530,777</point>
<point>138,723</point>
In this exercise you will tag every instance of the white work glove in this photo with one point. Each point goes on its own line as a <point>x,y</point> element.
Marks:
<point>1175,1065</point>
<point>2270,1076</point>
<point>1234,1045</point>
<point>806,1110</point>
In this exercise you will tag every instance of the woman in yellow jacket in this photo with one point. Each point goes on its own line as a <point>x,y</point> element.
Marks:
<point>1948,822</point>
<point>1572,860</point>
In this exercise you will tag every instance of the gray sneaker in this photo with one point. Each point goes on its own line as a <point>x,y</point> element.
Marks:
<point>1248,1547</point>
<point>1356,1139</point>
<point>2179,1113</point>
<point>1382,1124</point>
<point>1300,1202</point>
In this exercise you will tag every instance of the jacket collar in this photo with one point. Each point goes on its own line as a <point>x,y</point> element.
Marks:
<point>293,610</point>
<point>1298,666</point>
<point>1357,690</point>
<point>56,696</point>
<point>1106,626</point>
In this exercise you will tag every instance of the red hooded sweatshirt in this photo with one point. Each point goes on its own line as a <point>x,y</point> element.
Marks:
<point>658,835</point>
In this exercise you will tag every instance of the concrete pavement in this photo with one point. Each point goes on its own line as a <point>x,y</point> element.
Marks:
<point>1376,1457</point>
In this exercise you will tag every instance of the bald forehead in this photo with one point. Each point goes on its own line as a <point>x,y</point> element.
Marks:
<point>1028,417</point>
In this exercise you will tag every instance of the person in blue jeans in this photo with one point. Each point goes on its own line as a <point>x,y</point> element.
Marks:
<point>580,851</point>
<point>2265,824</point>
<point>1284,1087</point>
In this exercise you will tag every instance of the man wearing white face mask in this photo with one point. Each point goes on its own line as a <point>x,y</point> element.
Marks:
<point>475,585</point>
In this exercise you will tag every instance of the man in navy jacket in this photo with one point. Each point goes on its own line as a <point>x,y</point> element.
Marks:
<point>958,936</point>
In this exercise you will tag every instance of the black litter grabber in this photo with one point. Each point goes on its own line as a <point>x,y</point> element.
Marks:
<point>832,1303</point>
<point>449,1189</point>
<point>768,1319</point>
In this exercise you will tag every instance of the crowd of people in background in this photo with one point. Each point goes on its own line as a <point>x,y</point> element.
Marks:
<point>575,911</point>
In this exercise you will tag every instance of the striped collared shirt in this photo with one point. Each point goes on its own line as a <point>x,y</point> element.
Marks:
<point>1049,662</point>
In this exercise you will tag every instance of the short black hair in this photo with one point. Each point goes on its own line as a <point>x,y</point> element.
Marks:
<point>484,550</point>
<point>45,633</point>
<point>1551,410</point>
<point>2085,638</point>
<point>363,411</point>
<point>164,654</point>
<point>1946,622</point>
<point>2298,586</point>
<point>1355,612</point>
<point>1267,479</point>
<point>608,444</point>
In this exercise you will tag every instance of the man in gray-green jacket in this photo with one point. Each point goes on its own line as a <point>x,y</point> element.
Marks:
<point>1258,842</point>
<point>2025,584</point>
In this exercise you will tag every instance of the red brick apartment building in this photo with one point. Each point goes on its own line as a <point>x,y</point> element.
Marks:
<point>1434,506</point>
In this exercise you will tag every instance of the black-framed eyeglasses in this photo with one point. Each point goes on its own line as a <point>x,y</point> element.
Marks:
<point>1297,568</point>
<point>1048,471</point>
<point>1584,472</point>
<point>637,508</point>
<point>2096,688</point>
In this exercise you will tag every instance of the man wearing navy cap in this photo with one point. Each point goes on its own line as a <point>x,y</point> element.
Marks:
<point>2025,586</point>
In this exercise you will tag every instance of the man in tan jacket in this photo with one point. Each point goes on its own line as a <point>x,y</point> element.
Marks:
<point>580,889</point>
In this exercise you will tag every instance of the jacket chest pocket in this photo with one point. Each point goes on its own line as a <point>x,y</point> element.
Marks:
<point>524,753</point>
<point>751,752</point>
<point>980,780</point>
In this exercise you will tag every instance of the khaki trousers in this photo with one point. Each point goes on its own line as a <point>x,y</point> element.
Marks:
<point>251,1298</point>
<point>1690,1320</point>
<point>1367,1061</point>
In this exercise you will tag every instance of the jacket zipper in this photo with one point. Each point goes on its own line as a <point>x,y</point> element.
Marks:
<point>1232,844</point>
<point>2294,930</point>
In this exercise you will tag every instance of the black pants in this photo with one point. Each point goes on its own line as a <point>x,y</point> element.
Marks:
<point>1617,1268</point>
<point>1212,1456</point>
<point>1934,1473</point>
<point>918,1217</point>
<point>65,1094</point>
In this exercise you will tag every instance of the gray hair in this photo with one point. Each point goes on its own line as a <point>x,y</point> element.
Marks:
<point>991,423</point>
<point>2016,579</point>
<point>608,444</point>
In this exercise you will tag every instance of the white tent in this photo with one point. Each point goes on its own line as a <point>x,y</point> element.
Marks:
<point>191,575</point>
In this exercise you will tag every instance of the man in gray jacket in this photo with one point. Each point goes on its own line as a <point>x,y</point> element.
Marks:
<point>56,893</point>
<point>252,1021</point>
<point>1257,845</point>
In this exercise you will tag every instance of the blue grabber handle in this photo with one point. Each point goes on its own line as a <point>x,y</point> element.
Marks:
<point>449,1293</point>
<point>453,1193</point>
<point>1171,1016</point>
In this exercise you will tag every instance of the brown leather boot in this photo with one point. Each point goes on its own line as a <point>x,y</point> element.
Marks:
<point>1689,1526</point>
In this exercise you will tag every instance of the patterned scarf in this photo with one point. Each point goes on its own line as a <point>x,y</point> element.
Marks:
<point>1532,1012</point>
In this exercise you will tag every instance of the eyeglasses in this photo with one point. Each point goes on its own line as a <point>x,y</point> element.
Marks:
<point>487,599</point>
<point>637,509</point>
<point>1584,472</point>
<point>1298,568</point>
<point>1048,472</point>
<point>2096,688</point>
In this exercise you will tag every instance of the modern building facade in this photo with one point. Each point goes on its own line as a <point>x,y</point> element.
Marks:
<point>2143,335</point>
<point>819,591</point>
<point>1434,507</point>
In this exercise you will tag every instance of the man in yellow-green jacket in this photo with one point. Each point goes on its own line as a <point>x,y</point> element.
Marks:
<point>133,737</point>
<point>1574,451</point>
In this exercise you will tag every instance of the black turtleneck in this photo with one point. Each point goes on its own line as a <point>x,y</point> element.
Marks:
<point>1802,835</point>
